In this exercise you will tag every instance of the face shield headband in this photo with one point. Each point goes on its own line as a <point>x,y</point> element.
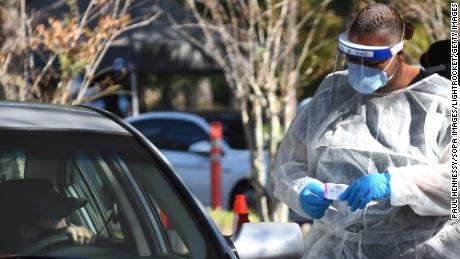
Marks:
<point>367,52</point>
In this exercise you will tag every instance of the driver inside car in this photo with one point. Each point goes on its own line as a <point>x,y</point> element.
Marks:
<point>32,210</point>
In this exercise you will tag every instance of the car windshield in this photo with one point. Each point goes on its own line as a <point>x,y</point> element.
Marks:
<point>131,208</point>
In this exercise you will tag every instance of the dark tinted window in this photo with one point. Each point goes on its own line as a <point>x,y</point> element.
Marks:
<point>232,127</point>
<point>181,134</point>
<point>102,168</point>
<point>171,134</point>
<point>85,180</point>
<point>152,129</point>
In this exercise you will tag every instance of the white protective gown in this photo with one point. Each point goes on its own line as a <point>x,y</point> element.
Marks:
<point>341,135</point>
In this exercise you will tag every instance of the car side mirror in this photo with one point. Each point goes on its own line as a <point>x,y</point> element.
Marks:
<point>269,240</point>
<point>201,148</point>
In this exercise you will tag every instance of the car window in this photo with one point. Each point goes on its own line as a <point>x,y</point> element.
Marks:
<point>176,244</point>
<point>131,207</point>
<point>176,222</point>
<point>181,134</point>
<point>232,128</point>
<point>84,180</point>
<point>152,130</point>
<point>12,164</point>
<point>171,134</point>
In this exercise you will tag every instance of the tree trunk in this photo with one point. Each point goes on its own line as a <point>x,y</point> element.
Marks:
<point>290,101</point>
<point>275,135</point>
<point>251,110</point>
<point>283,110</point>
<point>280,211</point>
<point>259,169</point>
<point>274,130</point>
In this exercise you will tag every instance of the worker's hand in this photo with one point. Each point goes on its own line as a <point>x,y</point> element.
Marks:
<point>80,235</point>
<point>312,200</point>
<point>366,188</point>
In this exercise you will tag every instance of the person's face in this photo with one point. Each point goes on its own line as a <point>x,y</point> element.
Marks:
<point>375,39</point>
<point>43,227</point>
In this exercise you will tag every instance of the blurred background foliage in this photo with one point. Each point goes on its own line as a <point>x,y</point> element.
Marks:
<point>184,92</point>
<point>175,90</point>
<point>210,91</point>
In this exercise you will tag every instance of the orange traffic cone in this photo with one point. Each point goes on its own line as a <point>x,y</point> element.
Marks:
<point>241,212</point>
<point>165,220</point>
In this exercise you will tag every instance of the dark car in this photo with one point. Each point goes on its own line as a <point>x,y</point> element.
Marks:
<point>136,204</point>
<point>232,127</point>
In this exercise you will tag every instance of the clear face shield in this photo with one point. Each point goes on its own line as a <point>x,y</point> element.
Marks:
<point>368,66</point>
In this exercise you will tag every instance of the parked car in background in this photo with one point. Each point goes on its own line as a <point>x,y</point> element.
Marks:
<point>232,127</point>
<point>137,207</point>
<point>184,138</point>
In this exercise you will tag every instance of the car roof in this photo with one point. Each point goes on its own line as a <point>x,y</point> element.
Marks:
<point>172,115</point>
<point>34,116</point>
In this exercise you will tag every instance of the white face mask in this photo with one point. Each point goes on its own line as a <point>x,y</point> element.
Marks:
<point>366,79</point>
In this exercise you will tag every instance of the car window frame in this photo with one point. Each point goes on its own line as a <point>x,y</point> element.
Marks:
<point>143,244</point>
<point>147,242</point>
<point>140,126</point>
<point>218,245</point>
<point>92,193</point>
<point>82,213</point>
<point>125,178</point>
<point>95,194</point>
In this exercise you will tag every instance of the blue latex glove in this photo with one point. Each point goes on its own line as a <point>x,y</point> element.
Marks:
<point>312,200</point>
<point>366,188</point>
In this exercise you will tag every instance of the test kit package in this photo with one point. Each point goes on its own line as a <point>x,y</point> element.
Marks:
<point>332,191</point>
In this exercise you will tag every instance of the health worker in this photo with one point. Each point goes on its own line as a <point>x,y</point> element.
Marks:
<point>382,127</point>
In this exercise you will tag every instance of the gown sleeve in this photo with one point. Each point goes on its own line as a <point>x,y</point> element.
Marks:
<point>425,188</point>
<point>291,172</point>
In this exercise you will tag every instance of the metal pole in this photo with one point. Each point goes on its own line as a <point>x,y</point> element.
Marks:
<point>134,93</point>
<point>216,137</point>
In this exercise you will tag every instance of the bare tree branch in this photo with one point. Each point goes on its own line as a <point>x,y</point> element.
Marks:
<point>83,21</point>
<point>311,34</point>
<point>43,72</point>
<point>97,60</point>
